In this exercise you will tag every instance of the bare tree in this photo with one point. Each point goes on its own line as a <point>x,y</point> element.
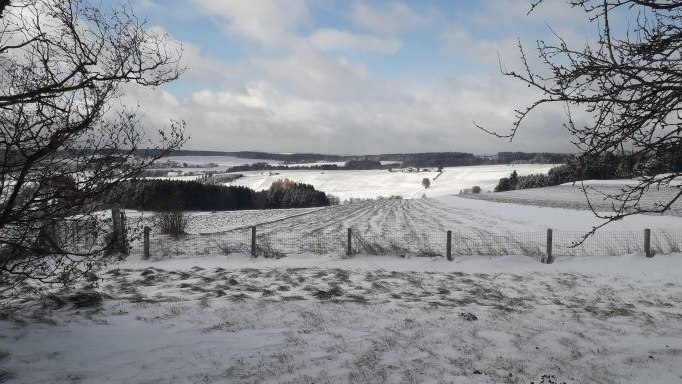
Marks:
<point>65,140</point>
<point>629,81</point>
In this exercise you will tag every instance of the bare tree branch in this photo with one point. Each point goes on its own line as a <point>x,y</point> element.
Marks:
<point>65,143</point>
<point>629,81</point>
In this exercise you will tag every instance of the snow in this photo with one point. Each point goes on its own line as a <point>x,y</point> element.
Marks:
<point>418,227</point>
<point>203,316</point>
<point>374,183</point>
<point>572,195</point>
<point>235,319</point>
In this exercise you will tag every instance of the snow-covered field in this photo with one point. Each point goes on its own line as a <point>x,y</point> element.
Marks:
<point>418,227</point>
<point>208,315</point>
<point>360,320</point>
<point>572,195</point>
<point>375,183</point>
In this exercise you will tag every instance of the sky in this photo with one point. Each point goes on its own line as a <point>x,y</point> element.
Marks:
<point>355,76</point>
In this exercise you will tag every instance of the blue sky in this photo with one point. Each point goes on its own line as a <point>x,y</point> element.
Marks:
<point>354,76</point>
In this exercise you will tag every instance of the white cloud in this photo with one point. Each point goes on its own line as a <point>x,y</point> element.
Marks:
<point>310,74</point>
<point>329,39</point>
<point>199,66</point>
<point>459,41</point>
<point>484,36</point>
<point>263,116</point>
<point>397,17</point>
<point>266,22</point>
<point>512,15</point>
<point>305,96</point>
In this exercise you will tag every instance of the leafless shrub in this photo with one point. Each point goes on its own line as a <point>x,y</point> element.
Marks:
<point>171,223</point>
<point>671,243</point>
<point>265,249</point>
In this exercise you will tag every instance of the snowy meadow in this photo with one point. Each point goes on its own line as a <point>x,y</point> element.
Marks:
<point>195,312</point>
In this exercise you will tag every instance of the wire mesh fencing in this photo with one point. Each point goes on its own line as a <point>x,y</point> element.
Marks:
<point>75,236</point>
<point>398,243</point>
<point>491,244</point>
<point>163,246</point>
<point>567,243</point>
<point>278,242</point>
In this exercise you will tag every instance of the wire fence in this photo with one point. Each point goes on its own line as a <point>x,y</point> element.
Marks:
<point>269,242</point>
<point>491,244</point>
<point>59,236</point>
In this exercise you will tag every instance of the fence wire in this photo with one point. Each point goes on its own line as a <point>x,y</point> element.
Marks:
<point>568,243</point>
<point>491,244</point>
<point>277,242</point>
<point>398,243</point>
<point>162,246</point>
<point>74,236</point>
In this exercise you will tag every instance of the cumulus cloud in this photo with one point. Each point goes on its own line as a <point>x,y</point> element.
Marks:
<point>266,22</point>
<point>394,18</point>
<point>265,117</point>
<point>329,39</point>
<point>312,93</point>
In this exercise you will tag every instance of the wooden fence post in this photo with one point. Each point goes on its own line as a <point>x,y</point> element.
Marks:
<point>549,259</point>
<point>124,233</point>
<point>253,242</point>
<point>647,243</point>
<point>145,254</point>
<point>349,251</point>
<point>118,241</point>
<point>448,249</point>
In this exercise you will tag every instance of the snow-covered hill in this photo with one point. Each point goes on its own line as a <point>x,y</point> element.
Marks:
<point>375,183</point>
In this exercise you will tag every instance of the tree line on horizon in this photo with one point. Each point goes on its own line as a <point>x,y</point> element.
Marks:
<point>420,160</point>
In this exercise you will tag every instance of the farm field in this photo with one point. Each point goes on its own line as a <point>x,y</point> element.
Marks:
<point>302,192</point>
<point>572,196</point>
<point>418,227</point>
<point>375,183</point>
<point>202,310</point>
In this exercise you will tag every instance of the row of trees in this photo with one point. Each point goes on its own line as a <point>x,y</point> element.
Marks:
<point>534,158</point>
<point>167,195</point>
<point>349,165</point>
<point>603,167</point>
<point>418,160</point>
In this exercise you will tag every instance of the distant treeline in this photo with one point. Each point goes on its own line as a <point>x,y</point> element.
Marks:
<point>284,157</point>
<point>418,160</point>
<point>164,195</point>
<point>605,167</point>
<point>456,159</point>
<point>433,159</point>
<point>351,164</point>
<point>534,158</point>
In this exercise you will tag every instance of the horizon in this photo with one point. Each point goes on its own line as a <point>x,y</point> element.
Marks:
<point>363,154</point>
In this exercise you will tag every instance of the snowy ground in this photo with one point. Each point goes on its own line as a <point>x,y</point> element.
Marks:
<point>359,320</point>
<point>419,226</point>
<point>199,316</point>
<point>572,196</point>
<point>375,183</point>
